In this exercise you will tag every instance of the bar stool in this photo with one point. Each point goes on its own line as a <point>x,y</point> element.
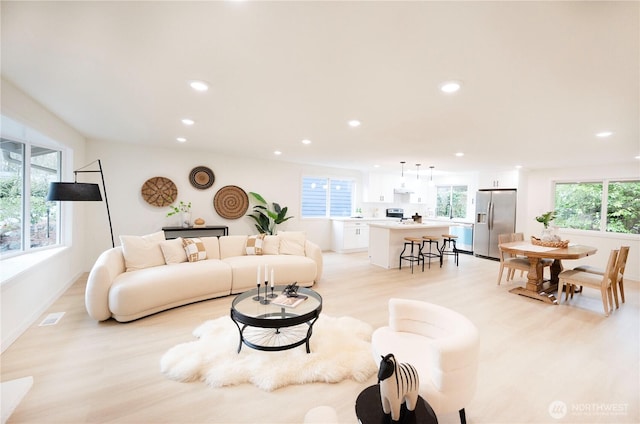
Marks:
<point>412,257</point>
<point>449,239</point>
<point>431,240</point>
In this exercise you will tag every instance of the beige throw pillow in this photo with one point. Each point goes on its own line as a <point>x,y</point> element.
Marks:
<point>194,249</point>
<point>254,244</point>
<point>173,251</point>
<point>142,251</point>
<point>292,242</point>
<point>271,245</point>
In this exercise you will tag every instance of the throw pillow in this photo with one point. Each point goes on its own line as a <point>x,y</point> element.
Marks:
<point>173,251</point>
<point>254,244</point>
<point>195,250</point>
<point>142,251</point>
<point>271,245</point>
<point>292,242</point>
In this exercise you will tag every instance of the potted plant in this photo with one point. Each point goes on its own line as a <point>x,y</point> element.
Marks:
<point>547,233</point>
<point>546,218</point>
<point>184,209</point>
<point>267,219</point>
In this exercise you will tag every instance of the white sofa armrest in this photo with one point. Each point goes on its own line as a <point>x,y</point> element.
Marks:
<point>314,252</point>
<point>108,266</point>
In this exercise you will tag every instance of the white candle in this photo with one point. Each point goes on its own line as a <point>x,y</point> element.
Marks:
<point>272,279</point>
<point>258,276</point>
<point>266,274</point>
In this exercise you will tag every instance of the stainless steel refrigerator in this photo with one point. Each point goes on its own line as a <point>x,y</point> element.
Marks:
<point>495,214</point>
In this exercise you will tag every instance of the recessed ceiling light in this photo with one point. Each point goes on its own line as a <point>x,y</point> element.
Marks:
<point>638,157</point>
<point>277,152</point>
<point>518,166</point>
<point>306,141</point>
<point>181,139</point>
<point>450,86</point>
<point>459,154</point>
<point>188,121</point>
<point>199,85</point>
<point>376,166</point>
<point>604,134</point>
<point>354,123</point>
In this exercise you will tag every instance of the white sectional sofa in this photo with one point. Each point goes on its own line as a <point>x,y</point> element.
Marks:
<point>148,274</point>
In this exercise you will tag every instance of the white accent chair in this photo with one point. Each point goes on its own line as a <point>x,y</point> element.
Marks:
<point>440,343</point>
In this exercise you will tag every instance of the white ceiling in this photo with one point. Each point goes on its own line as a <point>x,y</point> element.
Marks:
<point>539,78</point>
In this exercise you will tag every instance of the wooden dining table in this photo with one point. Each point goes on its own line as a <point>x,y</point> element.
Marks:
<point>536,287</point>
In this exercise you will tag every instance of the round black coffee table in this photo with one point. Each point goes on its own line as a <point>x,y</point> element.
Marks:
<point>369,410</point>
<point>271,327</point>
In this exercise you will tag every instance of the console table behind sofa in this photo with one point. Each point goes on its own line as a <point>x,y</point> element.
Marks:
<point>175,232</point>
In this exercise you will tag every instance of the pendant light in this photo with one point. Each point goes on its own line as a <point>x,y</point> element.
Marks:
<point>402,168</point>
<point>418,171</point>
<point>431,183</point>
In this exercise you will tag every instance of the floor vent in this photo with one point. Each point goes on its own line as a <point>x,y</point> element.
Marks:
<point>51,319</point>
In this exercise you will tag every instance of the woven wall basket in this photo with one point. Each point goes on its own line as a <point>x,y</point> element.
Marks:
<point>159,191</point>
<point>231,202</point>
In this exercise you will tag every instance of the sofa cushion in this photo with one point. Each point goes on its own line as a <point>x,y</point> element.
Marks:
<point>286,268</point>
<point>233,246</point>
<point>254,244</point>
<point>195,250</point>
<point>142,252</point>
<point>292,242</point>
<point>138,294</point>
<point>212,246</point>
<point>271,245</point>
<point>173,251</point>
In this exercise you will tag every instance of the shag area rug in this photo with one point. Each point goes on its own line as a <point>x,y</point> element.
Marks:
<point>340,349</point>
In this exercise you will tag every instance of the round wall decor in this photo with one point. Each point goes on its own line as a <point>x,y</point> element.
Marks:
<point>201,177</point>
<point>231,202</point>
<point>159,191</point>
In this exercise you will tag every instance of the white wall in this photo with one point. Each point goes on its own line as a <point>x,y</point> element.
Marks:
<point>127,167</point>
<point>25,296</point>
<point>539,199</point>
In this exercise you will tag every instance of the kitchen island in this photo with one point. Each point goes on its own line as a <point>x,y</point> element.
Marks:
<point>386,239</point>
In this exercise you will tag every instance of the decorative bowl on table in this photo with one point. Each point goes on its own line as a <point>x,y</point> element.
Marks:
<point>560,244</point>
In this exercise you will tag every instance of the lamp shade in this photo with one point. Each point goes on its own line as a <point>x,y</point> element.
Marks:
<point>74,192</point>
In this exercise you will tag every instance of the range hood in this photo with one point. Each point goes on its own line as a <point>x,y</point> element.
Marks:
<point>402,190</point>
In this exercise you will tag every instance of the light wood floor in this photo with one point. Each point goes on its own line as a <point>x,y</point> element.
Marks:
<point>532,354</point>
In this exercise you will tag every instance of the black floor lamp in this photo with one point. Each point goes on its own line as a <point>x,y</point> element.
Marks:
<point>81,192</point>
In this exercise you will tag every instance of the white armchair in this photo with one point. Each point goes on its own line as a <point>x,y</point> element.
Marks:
<point>442,344</point>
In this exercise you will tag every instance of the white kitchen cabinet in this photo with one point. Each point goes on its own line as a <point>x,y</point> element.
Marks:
<point>350,236</point>
<point>419,194</point>
<point>379,188</point>
<point>508,179</point>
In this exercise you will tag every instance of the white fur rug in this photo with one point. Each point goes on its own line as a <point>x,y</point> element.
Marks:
<point>340,349</point>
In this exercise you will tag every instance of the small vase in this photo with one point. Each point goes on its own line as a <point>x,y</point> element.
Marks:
<point>548,234</point>
<point>185,219</point>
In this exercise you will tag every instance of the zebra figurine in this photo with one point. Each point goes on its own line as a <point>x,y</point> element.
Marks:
<point>403,387</point>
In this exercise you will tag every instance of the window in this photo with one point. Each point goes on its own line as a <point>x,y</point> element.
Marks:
<point>27,221</point>
<point>451,202</point>
<point>324,197</point>
<point>611,206</point>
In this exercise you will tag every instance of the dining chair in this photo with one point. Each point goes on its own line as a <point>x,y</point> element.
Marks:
<point>587,279</point>
<point>618,286</point>
<point>513,262</point>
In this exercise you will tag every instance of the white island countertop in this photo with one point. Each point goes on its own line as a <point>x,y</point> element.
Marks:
<point>408,225</point>
<point>386,239</point>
